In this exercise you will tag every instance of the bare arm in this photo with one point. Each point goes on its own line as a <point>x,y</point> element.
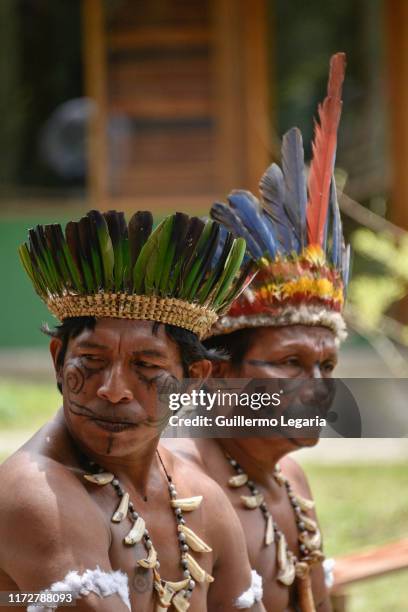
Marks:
<point>232,571</point>
<point>52,528</point>
<point>298,479</point>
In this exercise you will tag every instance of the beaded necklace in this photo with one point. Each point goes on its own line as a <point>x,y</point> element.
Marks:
<point>309,536</point>
<point>169,593</point>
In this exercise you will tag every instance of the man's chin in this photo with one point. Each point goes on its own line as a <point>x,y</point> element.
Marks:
<point>304,442</point>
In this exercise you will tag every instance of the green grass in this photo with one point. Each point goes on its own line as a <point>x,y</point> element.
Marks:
<point>26,406</point>
<point>358,505</point>
<point>361,506</point>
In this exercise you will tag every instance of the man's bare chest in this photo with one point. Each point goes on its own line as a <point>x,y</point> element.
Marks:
<point>277,596</point>
<point>162,528</point>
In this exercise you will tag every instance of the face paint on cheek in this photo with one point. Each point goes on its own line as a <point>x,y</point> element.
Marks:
<point>73,379</point>
<point>148,382</point>
<point>76,374</point>
<point>79,409</point>
<point>165,384</point>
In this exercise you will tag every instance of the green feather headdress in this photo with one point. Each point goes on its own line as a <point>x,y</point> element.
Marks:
<point>104,267</point>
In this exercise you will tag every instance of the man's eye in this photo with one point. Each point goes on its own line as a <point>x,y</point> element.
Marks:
<point>328,366</point>
<point>292,361</point>
<point>145,364</point>
<point>91,359</point>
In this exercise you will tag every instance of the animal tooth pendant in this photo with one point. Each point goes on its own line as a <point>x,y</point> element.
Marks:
<point>165,595</point>
<point>279,477</point>
<point>193,540</point>
<point>312,542</point>
<point>151,559</point>
<point>180,603</point>
<point>252,501</point>
<point>310,524</point>
<point>305,504</point>
<point>122,509</point>
<point>187,504</point>
<point>282,552</point>
<point>177,586</point>
<point>101,479</point>
<point>286,563</point>
<point>288,575</point>
<point>269,531</point>
<point>198,573</point>
<point>238,481</point>
<point>136,533</point>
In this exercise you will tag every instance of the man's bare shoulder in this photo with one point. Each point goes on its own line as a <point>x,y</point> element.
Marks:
<point>185,448</point>
<point>216,503</point>
<point>41,497</point>
<point>296,476</point>
<point>31,475</point>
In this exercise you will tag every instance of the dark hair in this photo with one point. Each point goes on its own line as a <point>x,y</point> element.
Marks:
<point>234,346</point>
<point>191,349</point>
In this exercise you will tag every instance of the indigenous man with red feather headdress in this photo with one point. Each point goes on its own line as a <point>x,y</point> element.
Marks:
<point>288,324</point>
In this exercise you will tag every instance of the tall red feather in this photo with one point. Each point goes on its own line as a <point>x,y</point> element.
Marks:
<point>324,151</point>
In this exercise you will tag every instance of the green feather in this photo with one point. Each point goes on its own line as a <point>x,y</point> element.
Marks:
<point>185,253</point>
<point>104,242</point>
<point>39,261</point>
<point>164,279</point>
<point>197,261</point>
<point>73,241</point>
<point>206,258</point>
<point>175,247</point>
<point>147,253</point>
<point>26,261</point>
<point>64,254</point>
<point>46,257</point>
<point>118,234</point>
<point>207,290</point>
<point>156,263</point>
<point>232,266</point>
<point>246,276</point>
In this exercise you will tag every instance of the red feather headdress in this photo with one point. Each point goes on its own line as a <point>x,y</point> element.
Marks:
<point>295,232</point>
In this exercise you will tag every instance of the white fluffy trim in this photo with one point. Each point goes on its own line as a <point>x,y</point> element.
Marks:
<point>302,315</point>
<point>252,595</point>
<point>91,581</point>
<point>328,567</point>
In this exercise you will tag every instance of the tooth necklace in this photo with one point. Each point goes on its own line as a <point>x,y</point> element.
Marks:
<point>169,593</point>
<point>309,537</point>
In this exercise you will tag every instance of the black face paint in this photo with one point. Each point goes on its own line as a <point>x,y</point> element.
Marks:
<point>80,409</point>
<point>110,444</point>
<point>76,374</point>
<point>74,379</point>
<point>148,382</point>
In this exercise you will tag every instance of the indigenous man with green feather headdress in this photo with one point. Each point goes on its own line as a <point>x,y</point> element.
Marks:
<point>287,325</point>
<point>90,510</point>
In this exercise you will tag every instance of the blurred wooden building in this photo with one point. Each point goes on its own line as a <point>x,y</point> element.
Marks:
<point>180,87</point>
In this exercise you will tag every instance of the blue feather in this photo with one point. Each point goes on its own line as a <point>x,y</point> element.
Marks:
<point>295,183</point>
<point>337,227</point>
<point>249,211</point>
<point>345,266</point>
<point>272,188</point>
<point>225,215</point>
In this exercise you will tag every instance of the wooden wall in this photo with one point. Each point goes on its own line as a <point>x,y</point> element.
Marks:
<point>181,100</point>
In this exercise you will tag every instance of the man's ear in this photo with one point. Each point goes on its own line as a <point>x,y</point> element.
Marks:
<point>220,369</point>
<point>200,369</point>
<point>55,349</point>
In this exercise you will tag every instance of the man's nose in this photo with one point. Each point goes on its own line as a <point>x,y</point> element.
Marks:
<point>115,388</point>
